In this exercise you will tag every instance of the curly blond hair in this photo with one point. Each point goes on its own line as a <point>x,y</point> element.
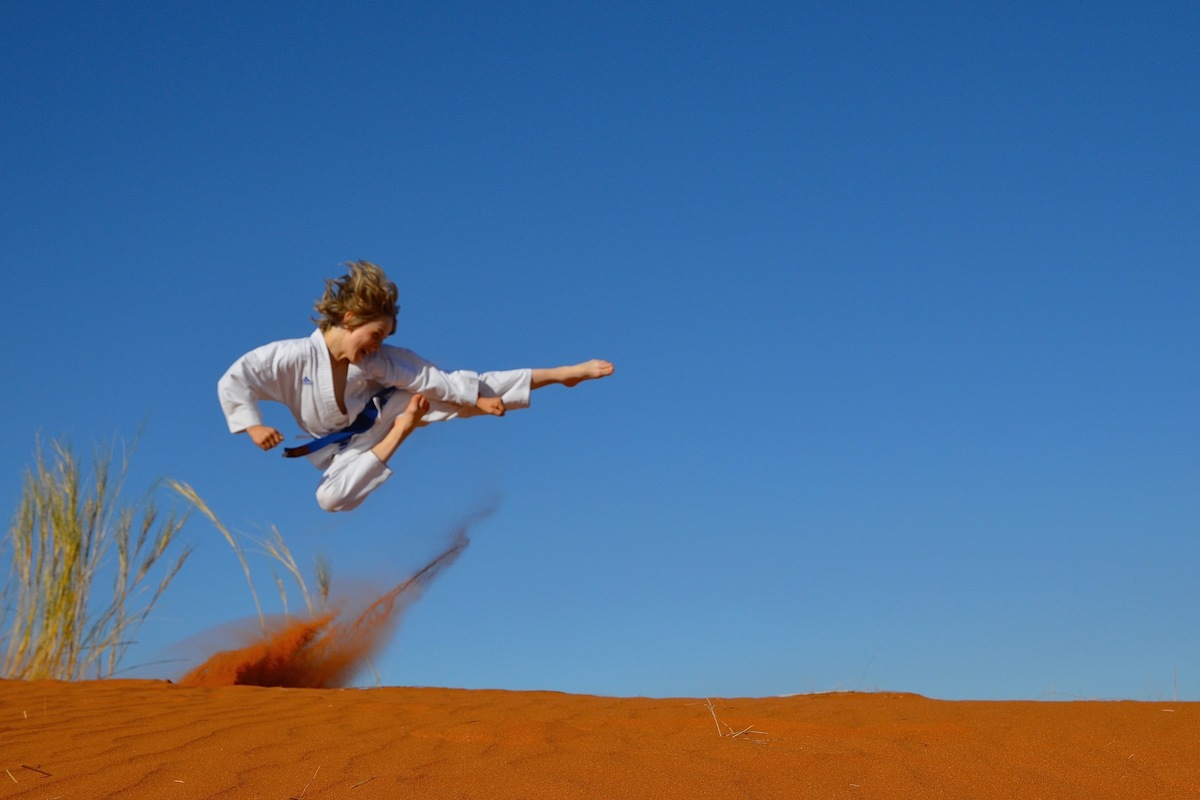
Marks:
<point>364,292</point>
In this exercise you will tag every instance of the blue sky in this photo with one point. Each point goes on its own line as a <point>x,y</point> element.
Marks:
<point>902,299</point>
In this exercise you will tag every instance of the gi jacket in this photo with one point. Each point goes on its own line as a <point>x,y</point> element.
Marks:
<point>299,374</point>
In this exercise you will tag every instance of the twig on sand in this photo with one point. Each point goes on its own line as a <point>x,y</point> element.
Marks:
<point>749,730</point>
<point>729,732</point>
<point>41,772</point>
<point>708,702</point>
<point>14,780</point>
<point>305,789</point>
<point>364,783</point>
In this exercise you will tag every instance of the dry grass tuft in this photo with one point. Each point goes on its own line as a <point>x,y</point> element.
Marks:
<point>67,526</point>
<point>274,546</point>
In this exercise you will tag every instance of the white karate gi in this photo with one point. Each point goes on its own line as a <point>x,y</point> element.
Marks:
<point>299,374</point>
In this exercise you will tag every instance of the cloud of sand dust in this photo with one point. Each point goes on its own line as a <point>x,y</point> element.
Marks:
<point>325,650</point>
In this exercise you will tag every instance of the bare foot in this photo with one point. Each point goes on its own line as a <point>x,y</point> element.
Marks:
<point>404,424</point>
<point>573,374</point>
<point>588,370</point>
<point>417,408</point>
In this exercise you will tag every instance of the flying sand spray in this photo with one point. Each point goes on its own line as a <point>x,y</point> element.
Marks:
<point>322,651</point>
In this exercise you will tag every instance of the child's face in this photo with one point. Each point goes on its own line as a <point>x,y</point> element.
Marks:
<point>366,338</point>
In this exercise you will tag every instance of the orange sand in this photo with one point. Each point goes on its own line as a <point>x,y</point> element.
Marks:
<point>142,739</point>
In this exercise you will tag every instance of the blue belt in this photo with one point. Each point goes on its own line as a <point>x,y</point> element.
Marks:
<point>363,422</point>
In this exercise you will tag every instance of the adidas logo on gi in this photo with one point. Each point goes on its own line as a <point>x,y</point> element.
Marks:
<point>307,381</point>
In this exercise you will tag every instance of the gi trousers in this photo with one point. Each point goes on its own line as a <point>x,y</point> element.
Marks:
<point>353,471</point>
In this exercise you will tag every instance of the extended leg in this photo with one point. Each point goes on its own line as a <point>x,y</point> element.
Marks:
<point>572,374</point>
<point>362,467</point>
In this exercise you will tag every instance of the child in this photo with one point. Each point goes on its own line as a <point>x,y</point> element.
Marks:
<point>361,398</point>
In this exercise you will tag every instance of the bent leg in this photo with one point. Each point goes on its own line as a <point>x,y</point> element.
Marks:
<point>510,385</point>
<point>416,408</point>
<point>361,468</point>
<point>352,475</point>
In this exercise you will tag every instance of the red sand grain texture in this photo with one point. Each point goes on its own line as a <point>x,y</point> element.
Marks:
<point>142,739</point>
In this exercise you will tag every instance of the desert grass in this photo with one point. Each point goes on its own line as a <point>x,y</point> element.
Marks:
<point>69,522</point>
<point>275,547</point>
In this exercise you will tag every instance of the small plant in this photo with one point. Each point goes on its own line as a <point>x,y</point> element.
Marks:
<point>67,524</point>
<point>273,546</point>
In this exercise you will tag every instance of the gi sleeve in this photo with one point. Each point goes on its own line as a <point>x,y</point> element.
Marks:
<point>404,369</point>
<point>249,380</point>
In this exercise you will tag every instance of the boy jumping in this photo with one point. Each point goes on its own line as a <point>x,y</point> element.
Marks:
<point>360,398</point>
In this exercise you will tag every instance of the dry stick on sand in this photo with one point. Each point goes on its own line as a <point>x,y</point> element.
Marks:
<point>747,730</point>
<point>305,789</point>
<point>731,734</point>
<point>713,711</point>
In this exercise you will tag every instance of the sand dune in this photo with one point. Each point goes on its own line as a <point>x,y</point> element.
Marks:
<point>144,739</point>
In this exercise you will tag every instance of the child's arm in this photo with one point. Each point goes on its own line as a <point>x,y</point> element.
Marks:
<point>253,377</point>
<point>404,369</point>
